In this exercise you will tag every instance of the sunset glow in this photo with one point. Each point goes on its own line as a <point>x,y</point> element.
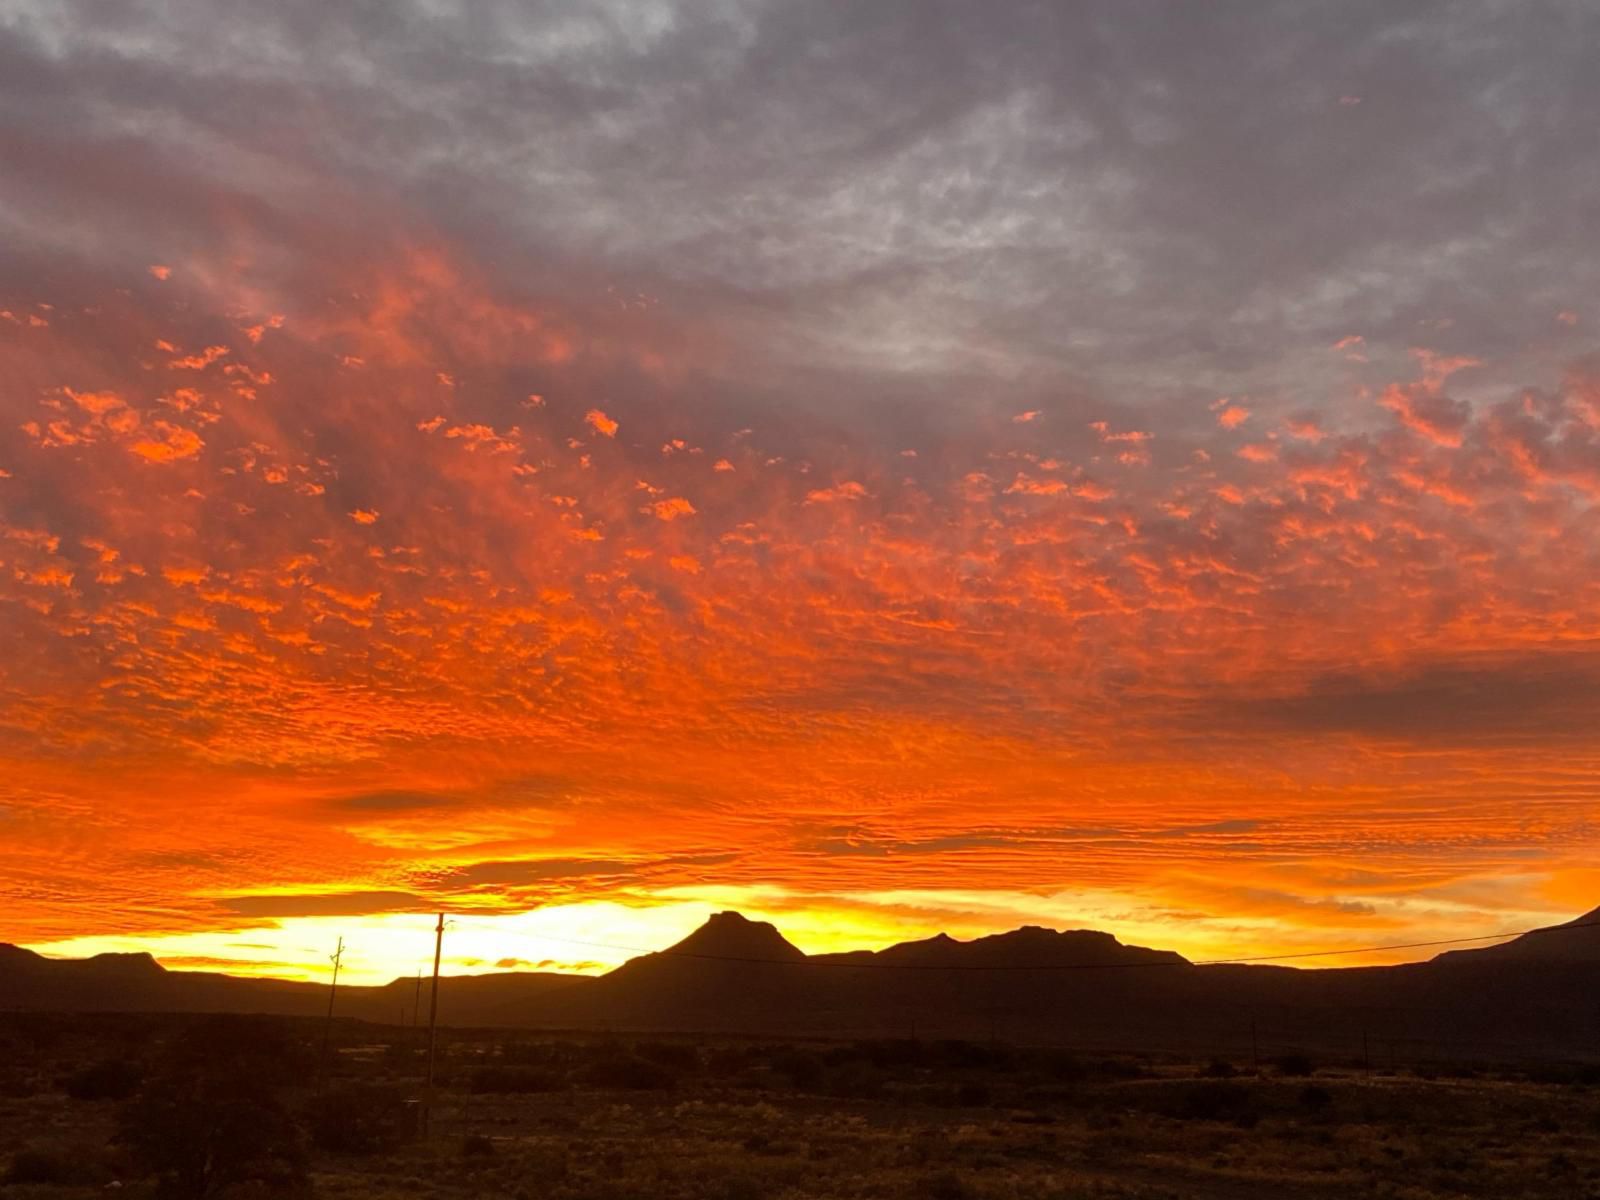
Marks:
<point>449,481</point>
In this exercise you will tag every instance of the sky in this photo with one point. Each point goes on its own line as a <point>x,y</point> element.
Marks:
<point>884,468</point>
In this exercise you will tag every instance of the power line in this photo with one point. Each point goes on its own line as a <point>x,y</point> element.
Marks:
<point>1181,962</point>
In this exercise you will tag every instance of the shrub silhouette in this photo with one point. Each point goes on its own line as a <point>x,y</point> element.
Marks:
<point>946,1185</point>
<point>631,1072</point>
<point>515,1080</point>
<point>678,1057</point>
<point>1215,1101</point>
<point>109,1079</point>
<point>1315,1098</point>
<point>973,1095</point>
<point>358,1119</point>
<point>1295,1065</point>
<point>202,1135</point>
<point>857,1081</point>
<point>52,1167</point>
<point>801,1068</point>
<point>211,1117</point>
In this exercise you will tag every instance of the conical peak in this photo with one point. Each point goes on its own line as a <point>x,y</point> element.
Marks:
<point>733,935</point>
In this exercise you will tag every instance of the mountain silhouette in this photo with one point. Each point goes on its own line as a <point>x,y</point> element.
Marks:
<point>138,983</point>
<point>1025,948</point>
<point>1575,941</point>
<point>1533,995</point>
<point>731,935</point>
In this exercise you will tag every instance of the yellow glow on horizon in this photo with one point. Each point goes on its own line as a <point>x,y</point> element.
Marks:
<point>595,936</point>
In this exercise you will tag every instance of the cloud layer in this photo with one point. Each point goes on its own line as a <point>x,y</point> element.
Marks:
<point>1121,462</point>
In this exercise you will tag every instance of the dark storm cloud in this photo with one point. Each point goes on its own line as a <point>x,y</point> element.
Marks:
<point>1152,200</point>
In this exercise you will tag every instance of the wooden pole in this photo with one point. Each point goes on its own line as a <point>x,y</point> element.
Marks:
<point>327,1023</point>
<point>433,1025</point>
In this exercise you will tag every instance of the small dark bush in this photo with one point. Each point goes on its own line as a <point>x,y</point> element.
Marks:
<point>883,1052</point>
<point>475,1145</point>
<point>973,1095</point>
<point>678,1057</point>
<point>630,1072</point>
<point>946,1185</point>
<point>1215,1101</point>
<point>725,1061</point>
<point>1065,1067</point>
<point>210,1117</point>
<point>515,1081</point>
<point>1315,1098</point>
<point>357,1119</point>
<point>737,1186</point>
<point>201,1137</point>
<point>801,1068</point>
<point>993,1056</point>
<point>55,1167</point>
<point>1220,1068</point>
<point>1296,1066</point>
<point>112,1079</point>
<point>857,1081</point>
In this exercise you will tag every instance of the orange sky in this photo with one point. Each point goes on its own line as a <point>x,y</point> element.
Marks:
<point>356,564</point>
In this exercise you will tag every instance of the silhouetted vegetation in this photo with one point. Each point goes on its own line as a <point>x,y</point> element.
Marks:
<point>514,1080</point>
<point>631,1072</point>
<point>109,1079</point>
<point>54,1166</point>
<point>1296,1066</point>
<point>359,1118</point>
<point>212,1117</point>
<point>230,1108</point>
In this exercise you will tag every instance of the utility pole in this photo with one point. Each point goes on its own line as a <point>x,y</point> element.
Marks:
<point>433,1024</point>
<point>416,1001</point>
<point>327,1024</point>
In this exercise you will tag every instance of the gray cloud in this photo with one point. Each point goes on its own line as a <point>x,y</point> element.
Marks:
<point>1496,701</point>
<point>1149,201</point>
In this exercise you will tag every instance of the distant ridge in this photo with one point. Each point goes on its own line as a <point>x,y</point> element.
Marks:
<point>1575,941</point>
<point>1533,995</point>
<point>1022,949</point>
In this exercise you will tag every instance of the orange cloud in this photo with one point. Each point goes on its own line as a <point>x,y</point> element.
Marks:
<point>848,490</point>
<point>672,508</point>
<point>170,443</point>
<point>1286,692</point>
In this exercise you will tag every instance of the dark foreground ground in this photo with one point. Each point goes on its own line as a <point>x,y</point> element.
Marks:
<point>145,1106</point>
